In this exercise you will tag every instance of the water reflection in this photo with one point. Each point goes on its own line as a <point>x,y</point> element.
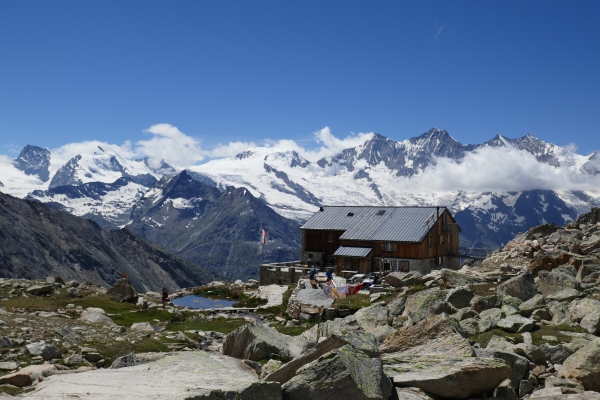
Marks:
<point>202,302</point>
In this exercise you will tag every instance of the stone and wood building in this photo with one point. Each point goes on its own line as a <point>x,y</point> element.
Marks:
<point>359,239</point>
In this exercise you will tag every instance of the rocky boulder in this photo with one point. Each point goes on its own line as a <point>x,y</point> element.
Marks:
<point>341,374</point>
<point>516,323</point>
<point>579,308</point>
<point>182,375</point>
<point>455,279</point>
<point>522,287</point>
<point>519,365</point>
<point>401,279</point>
<point>547,261</point>
<point>25,376</point>
<point>96,316</point>
<point>488,319</point>
<point>565,295</point>
<point>435,335</point>
<point>418,304</point>
<point>591,323</point>
<point>590,244</point>
<point>123,291</point>
<point>5,341</point>
<point>45,350</point>
<point>338,326</point>
<point>460,297</point>
<point>557,354</point>
<point>396,306</point>
<point>588,273</point>
<point>480,303</point>
<point>553,282</point>
<point>446,375</point>
<point>535,303</point>
<point>40,290</point>
<point>257,342</point>
<point>584,366</point>
<point>360,340</point>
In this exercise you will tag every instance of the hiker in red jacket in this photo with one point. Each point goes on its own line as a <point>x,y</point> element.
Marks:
<point>165,295</point>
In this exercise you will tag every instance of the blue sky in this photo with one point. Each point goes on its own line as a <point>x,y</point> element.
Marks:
<point>226,71</point>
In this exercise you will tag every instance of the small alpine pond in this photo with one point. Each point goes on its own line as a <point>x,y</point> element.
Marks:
<point>202,302</point>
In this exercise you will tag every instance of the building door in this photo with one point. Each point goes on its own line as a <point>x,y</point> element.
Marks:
<point>404,266</point>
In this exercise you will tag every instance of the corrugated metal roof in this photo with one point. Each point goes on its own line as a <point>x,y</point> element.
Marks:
<point>352,251</point>
<point>396,224</point>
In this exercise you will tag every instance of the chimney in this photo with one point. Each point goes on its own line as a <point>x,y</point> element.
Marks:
<point>321,208</point>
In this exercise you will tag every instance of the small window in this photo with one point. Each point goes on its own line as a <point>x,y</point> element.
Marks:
<point>440,260</point>
<point>330,237</point>
<point>441,239</point>
<point>351,214</point>
<point>389,246</point>
<point>380,212</point>
<point>429,241</point>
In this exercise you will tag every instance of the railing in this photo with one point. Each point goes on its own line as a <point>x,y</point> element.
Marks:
<point>473,252</point>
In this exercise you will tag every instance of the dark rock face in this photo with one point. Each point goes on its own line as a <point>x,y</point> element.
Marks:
<point>219,230</point>
<point>66,174</point>
<point>407,159</point>
<point>591,217</point>
<point>592,166</point>
<point>163,168</point>
<point>34,160</point>
<point>482,229</point>
<point>37,241</point>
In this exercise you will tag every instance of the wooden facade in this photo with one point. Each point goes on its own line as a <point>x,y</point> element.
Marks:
<point>442,241</point>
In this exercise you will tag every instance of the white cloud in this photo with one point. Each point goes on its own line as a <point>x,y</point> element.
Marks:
<point>171,145</point>
<point>229,150</point>
<point>333,145</point>
<point>5,160</point>
<point>498,169</point>
<point>330,145</point>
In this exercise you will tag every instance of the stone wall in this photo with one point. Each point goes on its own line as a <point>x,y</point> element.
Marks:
<point>281,273</point>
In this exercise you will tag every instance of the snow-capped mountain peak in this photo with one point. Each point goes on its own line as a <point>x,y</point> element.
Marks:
<point>34,160</point>
<point>101,165</point>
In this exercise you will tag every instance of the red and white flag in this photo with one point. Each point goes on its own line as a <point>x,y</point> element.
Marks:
<point>264,237</point>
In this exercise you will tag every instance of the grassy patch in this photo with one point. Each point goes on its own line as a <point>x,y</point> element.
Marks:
<point>536,335</point>
<point>484,338</point>
<point>10,390</point>
<point>483,289</point>
<point>354,302</point>
<point>129,317</point>
<point>292,331</point>
<point>115,349</point>
<point>123,314</point>
<point>223,292</point>
<point>250,302</point>
<point>222,325</point>
<point>553,330</point>
<point>230,292</point>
